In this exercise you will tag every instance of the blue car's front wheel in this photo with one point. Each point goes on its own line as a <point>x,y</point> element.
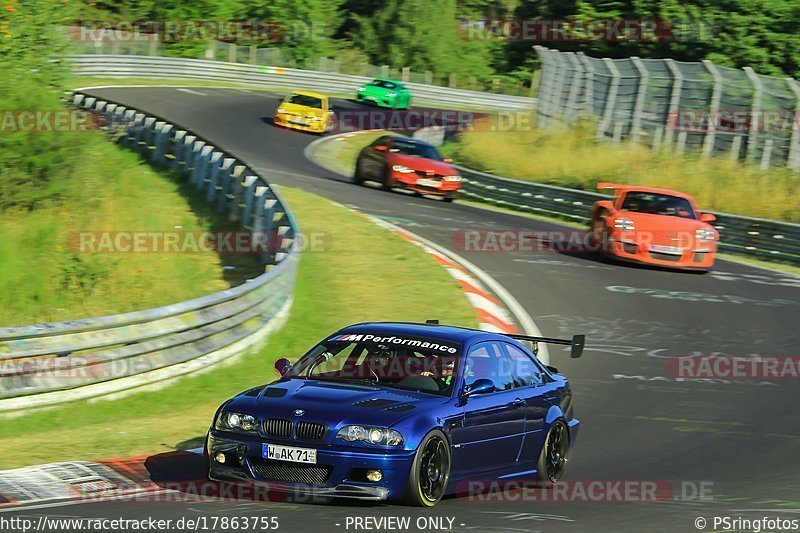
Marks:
<point>430,471</point>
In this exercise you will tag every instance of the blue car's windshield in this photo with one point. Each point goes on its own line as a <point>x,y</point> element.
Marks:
<point>420,364</point>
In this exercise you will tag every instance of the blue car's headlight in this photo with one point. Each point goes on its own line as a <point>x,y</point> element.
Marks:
<point>371,435</point>
<point>231,421</point>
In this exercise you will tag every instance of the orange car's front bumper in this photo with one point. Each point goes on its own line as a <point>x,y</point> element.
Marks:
<point>663,256</point>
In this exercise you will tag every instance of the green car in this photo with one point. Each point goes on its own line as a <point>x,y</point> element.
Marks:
<point>385,93</point>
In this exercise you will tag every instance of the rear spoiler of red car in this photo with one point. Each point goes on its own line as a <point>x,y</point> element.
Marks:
<point>577,342</point>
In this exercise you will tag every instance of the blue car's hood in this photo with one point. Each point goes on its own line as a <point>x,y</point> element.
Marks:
<point>333,403</point>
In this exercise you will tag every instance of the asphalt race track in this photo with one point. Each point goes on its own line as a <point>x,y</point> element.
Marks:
<point>735,439</point>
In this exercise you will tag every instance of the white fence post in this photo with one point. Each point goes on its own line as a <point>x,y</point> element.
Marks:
<point>755,115</point>
<point>674,103</point>
<point>588,91</point>
<point>641,96</point>
<point>611,100</point>
<point>793,160</point>
<point>713,109</point>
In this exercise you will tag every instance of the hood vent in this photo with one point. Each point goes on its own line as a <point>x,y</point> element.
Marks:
<point>375,403</point>
<point>274,393</point>
<point>401,408</point>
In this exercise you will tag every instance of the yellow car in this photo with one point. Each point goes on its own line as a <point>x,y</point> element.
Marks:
<point>306,111</point>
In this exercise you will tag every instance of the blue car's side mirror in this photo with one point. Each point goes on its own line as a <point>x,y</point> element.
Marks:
<point>480,386</point>
<point>282,365</point>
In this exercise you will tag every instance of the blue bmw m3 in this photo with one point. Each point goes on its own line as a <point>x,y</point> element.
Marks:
<point>400,411</point>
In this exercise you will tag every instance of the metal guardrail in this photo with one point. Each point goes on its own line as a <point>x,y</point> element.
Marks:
<point>118,66</point>
<point>765,239</point>
<point>42,364</point>
<point>667,104</point>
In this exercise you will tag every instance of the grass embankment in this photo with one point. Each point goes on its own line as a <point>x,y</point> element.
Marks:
<point>343,284</point>
<point>573,158</point>
<point>44,278</point>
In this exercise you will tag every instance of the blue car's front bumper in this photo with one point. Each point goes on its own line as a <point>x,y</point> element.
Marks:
<point>336,474</point>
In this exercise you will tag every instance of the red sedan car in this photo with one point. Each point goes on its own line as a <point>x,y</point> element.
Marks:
<point>655,226</point>
<point>404,162</point>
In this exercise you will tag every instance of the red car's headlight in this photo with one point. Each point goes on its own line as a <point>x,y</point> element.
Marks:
<point>402,169</point>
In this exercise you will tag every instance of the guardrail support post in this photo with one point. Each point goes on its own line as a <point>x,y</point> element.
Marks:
<point>268,228</point>
<point>641,97</point>
<point>177,144</point>
<point>148,133</point>
<point>545,108</point>
<point>755,115</point>
<point>611,100</point>
<point>249,186</point>
<point>588,91</point>
<point>213,176</point>
<point>674,104</point>
<point>257,201</point>
<point>162,142</point>
<point>571,110</point>
<point>713,109</point>
<point>793,159</point>
<point>736,147</point>
<point>187,153</point>
<point>235,192</point>
<point>224,184</point>
<point>197,161</point>
<point>766,155</point>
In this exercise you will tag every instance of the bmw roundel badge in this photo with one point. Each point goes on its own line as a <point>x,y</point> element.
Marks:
<point>299,412</point>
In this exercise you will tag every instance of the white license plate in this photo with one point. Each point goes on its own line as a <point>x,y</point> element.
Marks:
<point>289,453</point>
<point>424,182</point>
<point>674,250</point>
<point>299,122</point>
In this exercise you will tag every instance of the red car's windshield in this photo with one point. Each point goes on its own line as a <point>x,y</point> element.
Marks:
<point>658,204</point>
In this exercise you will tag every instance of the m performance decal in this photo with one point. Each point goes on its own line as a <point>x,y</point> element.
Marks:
<point>400,341</point>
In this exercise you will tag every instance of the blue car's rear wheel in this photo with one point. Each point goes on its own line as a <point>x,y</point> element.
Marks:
<point>553,458</point>
<point>430,472</point>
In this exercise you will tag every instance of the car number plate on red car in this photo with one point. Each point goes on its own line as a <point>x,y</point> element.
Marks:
<point>289,453</point>
<point>429,183</point>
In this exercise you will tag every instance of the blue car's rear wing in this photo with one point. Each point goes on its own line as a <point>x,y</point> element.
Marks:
<point>577,342</point>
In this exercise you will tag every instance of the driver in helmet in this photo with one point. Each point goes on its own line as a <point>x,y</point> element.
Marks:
<point>445,374</point>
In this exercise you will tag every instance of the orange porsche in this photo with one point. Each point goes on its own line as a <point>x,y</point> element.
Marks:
<point>655,226</point>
